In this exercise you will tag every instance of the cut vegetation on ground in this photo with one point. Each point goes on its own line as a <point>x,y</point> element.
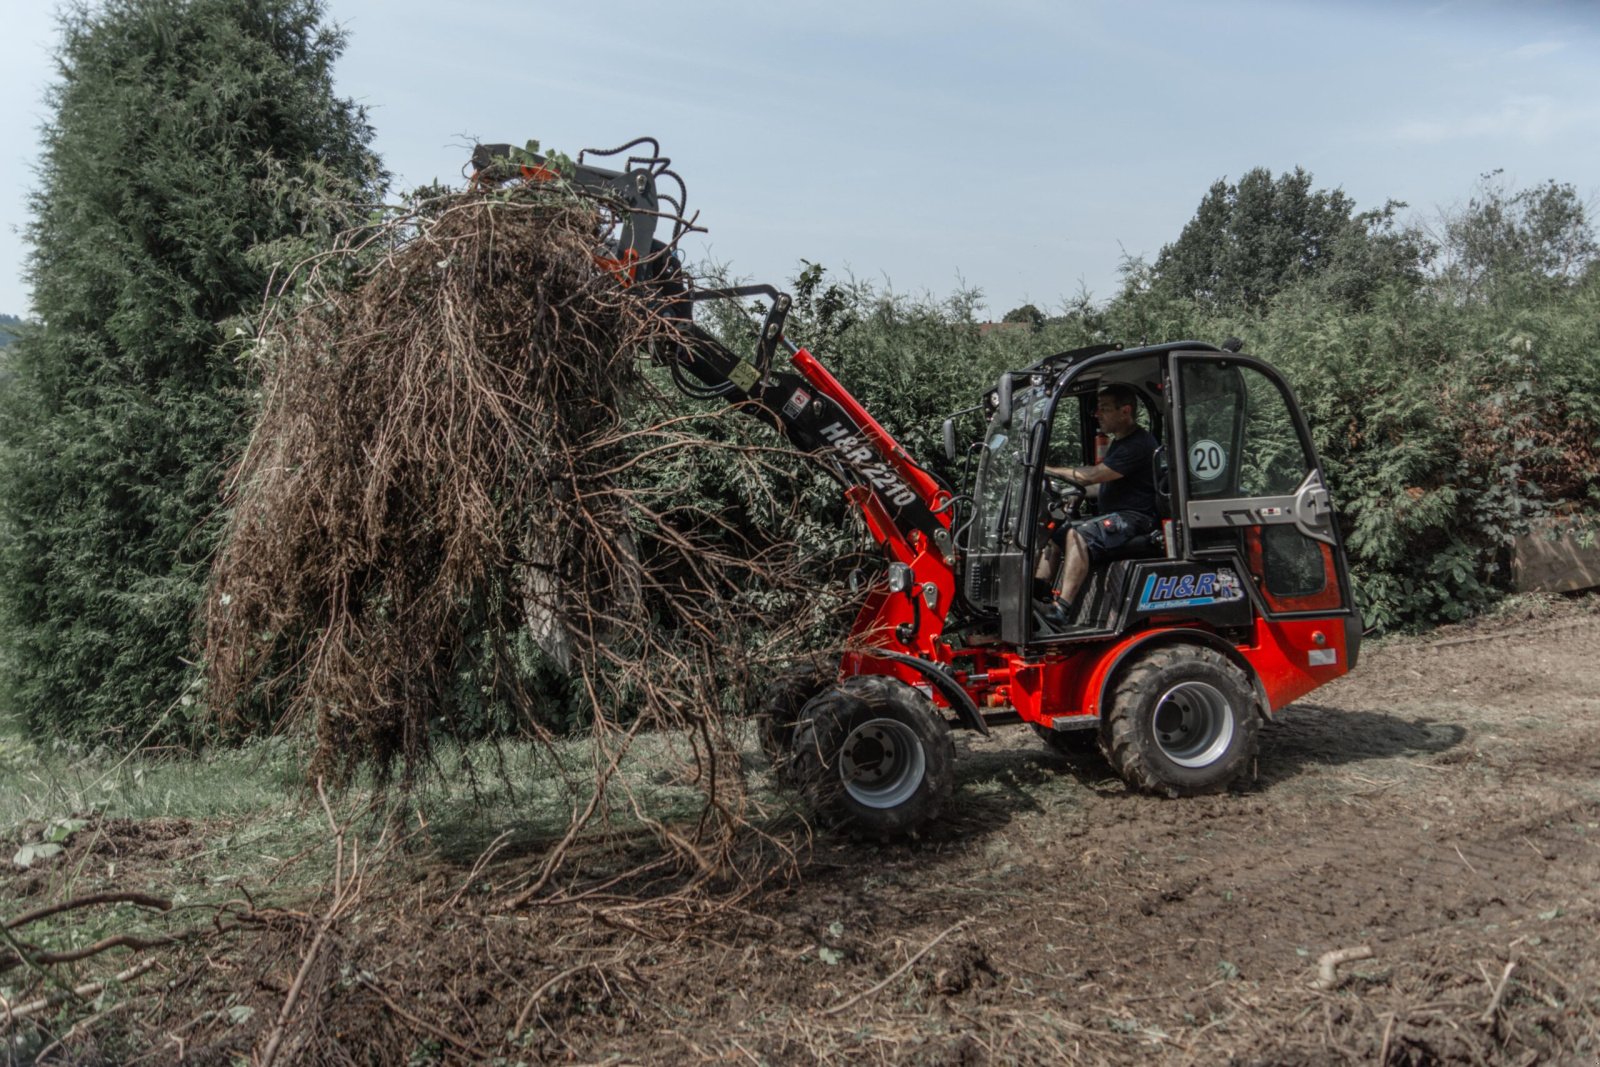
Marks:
<point>1439,808</point>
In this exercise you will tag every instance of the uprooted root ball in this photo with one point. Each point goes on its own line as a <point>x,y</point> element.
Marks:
<point>444,456</point>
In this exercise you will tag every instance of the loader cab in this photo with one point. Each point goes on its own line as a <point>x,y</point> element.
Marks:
<point>1246,526</point>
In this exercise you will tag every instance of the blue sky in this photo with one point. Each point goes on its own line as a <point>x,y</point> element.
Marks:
<point>1021,147</point>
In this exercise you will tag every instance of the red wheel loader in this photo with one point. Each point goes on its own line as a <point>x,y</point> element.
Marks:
<point>1183,641</point>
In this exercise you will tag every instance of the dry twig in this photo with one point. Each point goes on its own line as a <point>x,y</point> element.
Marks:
<point>131,941</point>
<point>144,900</point>
<point>88,989</point>
<point>898,971</point>
<point>1489,1013</point>
<point>1328,963</point>
<point>347,883</point>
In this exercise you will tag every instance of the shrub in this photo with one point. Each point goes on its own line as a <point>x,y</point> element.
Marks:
<point>192,143</point>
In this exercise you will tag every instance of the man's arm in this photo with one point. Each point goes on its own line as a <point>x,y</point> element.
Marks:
<point>1094,475</point>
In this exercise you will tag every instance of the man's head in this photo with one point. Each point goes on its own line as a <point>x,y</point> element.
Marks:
<point>1117,409</point>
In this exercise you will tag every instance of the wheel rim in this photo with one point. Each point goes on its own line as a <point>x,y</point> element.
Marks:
<point>882,763</point>
<point>1193,724</point>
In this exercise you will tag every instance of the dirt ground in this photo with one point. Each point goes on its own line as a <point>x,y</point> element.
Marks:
<point>1440,807</point>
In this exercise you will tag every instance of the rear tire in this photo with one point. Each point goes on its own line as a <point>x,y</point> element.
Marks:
<point>1181,721</point>
<point>875,756</point>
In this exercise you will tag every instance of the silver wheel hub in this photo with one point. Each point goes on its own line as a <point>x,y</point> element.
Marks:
<point>881,763</point>
<point>1193,724</point>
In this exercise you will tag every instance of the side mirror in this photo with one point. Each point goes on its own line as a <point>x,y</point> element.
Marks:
<point>950,439</point>
<point>1002,409</point>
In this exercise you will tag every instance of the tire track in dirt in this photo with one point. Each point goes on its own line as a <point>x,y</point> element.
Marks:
<point>1441,805</point>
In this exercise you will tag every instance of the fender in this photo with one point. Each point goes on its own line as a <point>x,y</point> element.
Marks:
<point>960,700</point>
<point>1099,682</point>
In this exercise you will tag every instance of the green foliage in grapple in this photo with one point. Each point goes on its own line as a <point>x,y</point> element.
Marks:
<point>910,362</point>
<point>195,151</point>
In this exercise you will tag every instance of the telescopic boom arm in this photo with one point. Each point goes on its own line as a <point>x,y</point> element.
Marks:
<point>906,509</point>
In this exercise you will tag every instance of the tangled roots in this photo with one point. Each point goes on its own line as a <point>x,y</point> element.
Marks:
<point>449,453</point>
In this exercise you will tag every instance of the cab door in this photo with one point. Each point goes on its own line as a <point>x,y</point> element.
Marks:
<point>1250,483</point>
<point>1000,540</point>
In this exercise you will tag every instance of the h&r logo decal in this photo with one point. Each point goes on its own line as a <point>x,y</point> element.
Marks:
<point>1220,586</point>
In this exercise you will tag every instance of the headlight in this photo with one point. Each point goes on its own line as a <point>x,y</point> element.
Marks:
<point>899,577</point>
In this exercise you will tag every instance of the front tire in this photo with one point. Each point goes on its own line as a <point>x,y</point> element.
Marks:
<point>874,755</point>
<point>779,714</point>
<point>1181,721</point>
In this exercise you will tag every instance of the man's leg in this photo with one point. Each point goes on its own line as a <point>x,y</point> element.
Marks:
<point>1077,568</point>
<point>1049,559</point>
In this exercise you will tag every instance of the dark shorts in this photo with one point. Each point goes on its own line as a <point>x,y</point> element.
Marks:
<point>1106,533</point>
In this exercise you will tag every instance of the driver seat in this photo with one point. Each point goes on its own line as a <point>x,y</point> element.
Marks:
<point>1144,546</point>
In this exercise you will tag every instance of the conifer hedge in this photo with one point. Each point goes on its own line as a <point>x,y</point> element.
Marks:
<point>193,149</point>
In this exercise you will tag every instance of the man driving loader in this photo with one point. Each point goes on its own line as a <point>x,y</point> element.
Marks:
<point>1127,505</point>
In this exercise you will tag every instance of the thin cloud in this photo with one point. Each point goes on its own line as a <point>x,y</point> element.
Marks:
<point>1536,49</point>
<point>1533,119</point>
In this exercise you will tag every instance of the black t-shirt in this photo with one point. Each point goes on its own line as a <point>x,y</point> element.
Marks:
<point>1135,491</point>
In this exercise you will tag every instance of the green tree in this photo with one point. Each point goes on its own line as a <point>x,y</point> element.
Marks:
<point>195,148</point>
<point>1251,240</point>
<point>1027,313</point>
<point>1508,238</point>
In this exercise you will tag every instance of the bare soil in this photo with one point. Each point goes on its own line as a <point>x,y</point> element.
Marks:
<point>1440,807</point>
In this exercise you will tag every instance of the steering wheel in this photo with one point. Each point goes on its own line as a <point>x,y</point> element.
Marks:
<point>1064,495</point>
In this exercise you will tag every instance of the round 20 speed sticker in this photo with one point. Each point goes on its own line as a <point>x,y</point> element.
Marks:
<point>1207,461</point>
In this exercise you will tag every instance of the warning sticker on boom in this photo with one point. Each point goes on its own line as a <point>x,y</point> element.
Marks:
<point>744,376</point>
<point>797,403</point>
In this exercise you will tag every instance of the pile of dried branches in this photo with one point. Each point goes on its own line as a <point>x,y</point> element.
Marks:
<point>375,965</point>
<point>457,449</point>
<point>459,976</point>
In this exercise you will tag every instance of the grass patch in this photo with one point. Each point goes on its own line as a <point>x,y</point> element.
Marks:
<point>46,781</point>
<point>246,810</point>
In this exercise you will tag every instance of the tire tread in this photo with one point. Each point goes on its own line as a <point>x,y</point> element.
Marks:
<point>778,716</point>
<point>824,725</point>
<point>1125,745</point>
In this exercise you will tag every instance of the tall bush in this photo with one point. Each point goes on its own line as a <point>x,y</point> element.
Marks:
<point>1444,425</point>
<point>194,148</point>
<point>1444,428</point>
<point>1252,239</point>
